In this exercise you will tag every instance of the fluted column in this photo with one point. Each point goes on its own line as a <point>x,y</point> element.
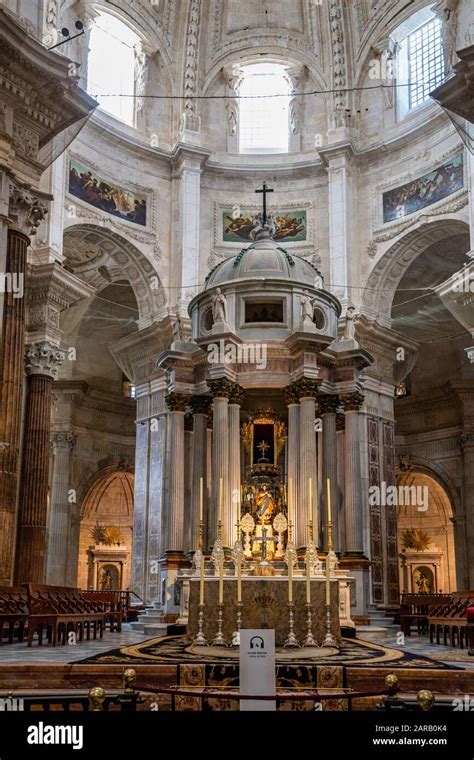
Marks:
<point>199,406</point>
<point>328,405</point>
<point>230,519</point>
<point>353,507</point>
<point>60,511</point>
<point>221,390</point>
<point>307,391</point>
<point>25,212</point>
<point>42,361</point>
<point>293,453</point>
<point>177,403</point>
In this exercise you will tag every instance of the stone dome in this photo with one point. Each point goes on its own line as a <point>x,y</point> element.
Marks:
<point>264,258</point>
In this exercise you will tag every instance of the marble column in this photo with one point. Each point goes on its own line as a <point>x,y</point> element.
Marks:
<point>353,506</point>
<point>328,406</point>
<point>306,390</point>
<point>221,391</point>
<point>199,406</point>
<point>42,361</point>
<point>177,403</point>
<point>60,510</point>
<point>231,517</point>
<point>293,453</point>
<point>26,212</point>
<point>468,492</point>
<point>220,456</point>
<point>188,479</point>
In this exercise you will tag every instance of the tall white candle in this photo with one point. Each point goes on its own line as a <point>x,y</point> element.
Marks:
<point>201,499</point>
<point>219,514</point>
<point>328,488</point>
<point>308,580</point>
<point>221,580</point>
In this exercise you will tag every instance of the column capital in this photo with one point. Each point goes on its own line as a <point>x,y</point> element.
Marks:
<point>189,421</point>
<point>62,441</point>
<point>304,388</point>
<point>224,388</point>
<point>43,359</point>
<point>329,403</point>
<point>352,402</point>
<point>200,404</point>
<point>27,209</point>
<point>177,402</point>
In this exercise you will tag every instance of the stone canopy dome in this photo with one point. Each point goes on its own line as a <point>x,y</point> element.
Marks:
<point>264,258</point>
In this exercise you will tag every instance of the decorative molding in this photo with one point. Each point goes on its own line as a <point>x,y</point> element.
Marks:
<point>338,62</point>
<point>190,119</point>
<point>62,441</point>
<point>27,209</point>
<point>43,359</point>
<point>178,402</point>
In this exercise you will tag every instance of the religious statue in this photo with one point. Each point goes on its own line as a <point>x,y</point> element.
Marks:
<point>318,282</point>
<point>262,222</point>
<point>349,328</point>
<point>423,584</point>
<point>263,541</point>
<point>306,308</point>
<point>219,307</point>
<point>106,581</point>
<point>178,326</point>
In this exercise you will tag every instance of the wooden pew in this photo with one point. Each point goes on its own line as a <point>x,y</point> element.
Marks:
<point>13,611</point>
<point>414,609</point>
<point>111,604</point>
<point>450,621</point>
<point>59,610</point>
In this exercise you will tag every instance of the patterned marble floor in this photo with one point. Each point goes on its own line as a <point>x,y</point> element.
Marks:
<point>421,645</point>
<point>21,654</point>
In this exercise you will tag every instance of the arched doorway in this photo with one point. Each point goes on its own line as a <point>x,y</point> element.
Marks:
<point>105,541</point>
<point>425,535</point>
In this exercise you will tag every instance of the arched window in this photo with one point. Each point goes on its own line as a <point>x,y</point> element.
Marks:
<point>264,109</point>
<point>111,66</point>
<point>420,59</point>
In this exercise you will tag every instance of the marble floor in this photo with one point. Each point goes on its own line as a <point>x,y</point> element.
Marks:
<point>20,653</point>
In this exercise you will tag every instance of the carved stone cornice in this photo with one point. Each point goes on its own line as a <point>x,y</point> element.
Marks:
<point>329,403</point>
<point>224,388</point>
<point>200,404</point>
<point>177,402</point>
<point>352,402</point>
<point>43,359</point>
<point>27,209</point>
<point>63,441</point>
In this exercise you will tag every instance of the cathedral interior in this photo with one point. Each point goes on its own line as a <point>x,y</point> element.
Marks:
<point>237,349</point>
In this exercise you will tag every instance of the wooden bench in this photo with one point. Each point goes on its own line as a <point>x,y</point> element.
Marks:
<point>414,609</point>
<point>13,611</point>
<point>59,610</point>
<point>111,603</point>
<point>449,621</point>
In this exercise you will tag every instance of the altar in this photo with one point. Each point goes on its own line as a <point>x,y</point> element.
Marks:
<point>264,605</point>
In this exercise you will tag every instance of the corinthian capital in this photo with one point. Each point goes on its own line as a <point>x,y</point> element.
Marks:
<point>43,359</point>
<point>27,209</point>
<point>62,441</point>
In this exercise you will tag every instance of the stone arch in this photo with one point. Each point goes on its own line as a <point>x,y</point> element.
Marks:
<point>100,256</point>
<point>245,54</point>
<point>385,276</point>
<point>108,504</point>
<point>438,473</point>
<point>437,560</point>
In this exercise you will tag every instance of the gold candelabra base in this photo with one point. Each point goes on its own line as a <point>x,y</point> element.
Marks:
<point>199,639</point>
